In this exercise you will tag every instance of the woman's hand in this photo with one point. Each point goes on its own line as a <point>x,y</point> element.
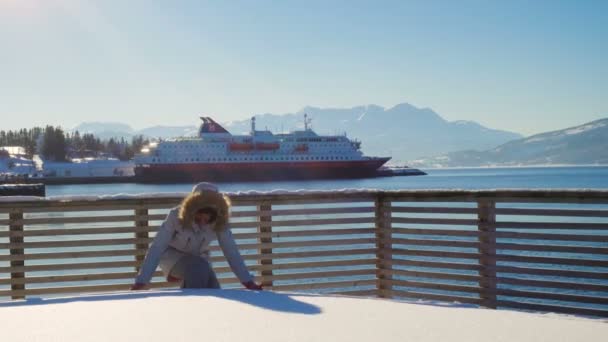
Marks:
<point>138,286</point>
<point>250,285</point>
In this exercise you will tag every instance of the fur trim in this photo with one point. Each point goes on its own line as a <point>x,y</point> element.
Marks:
<point>198,200</point>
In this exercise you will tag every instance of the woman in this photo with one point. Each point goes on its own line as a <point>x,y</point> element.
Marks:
<point>181,246</point>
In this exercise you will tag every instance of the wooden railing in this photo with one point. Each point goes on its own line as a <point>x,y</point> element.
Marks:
<point>531,250</point>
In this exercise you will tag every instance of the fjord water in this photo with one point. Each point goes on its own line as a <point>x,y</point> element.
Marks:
<point>586,177</point>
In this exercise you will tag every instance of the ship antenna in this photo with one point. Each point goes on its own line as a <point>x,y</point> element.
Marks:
<point>252,125</point>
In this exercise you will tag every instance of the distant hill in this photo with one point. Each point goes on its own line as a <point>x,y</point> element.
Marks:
<point>106,130</point>
<point>404,132</point>
<point>584,144</point>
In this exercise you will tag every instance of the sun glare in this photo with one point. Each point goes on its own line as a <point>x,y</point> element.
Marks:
<point>20,6</point>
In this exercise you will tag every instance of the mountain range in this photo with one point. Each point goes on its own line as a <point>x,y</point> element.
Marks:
<point>584,144</point>
<point>404,132</point>
<point>418,137</point>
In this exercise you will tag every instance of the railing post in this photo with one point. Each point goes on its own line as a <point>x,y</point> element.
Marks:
<point>16,226</point>
<point>141,232</point>
<point>486,215</point>
<point>265,217</point>
<point>384,247</point>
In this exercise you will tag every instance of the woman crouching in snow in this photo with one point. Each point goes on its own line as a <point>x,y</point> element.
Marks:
<point>181,246</point>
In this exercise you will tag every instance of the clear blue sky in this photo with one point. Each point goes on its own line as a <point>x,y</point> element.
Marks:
<point>526,66</point>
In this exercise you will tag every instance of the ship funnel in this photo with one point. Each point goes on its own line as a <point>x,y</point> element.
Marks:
<point>209,126</point>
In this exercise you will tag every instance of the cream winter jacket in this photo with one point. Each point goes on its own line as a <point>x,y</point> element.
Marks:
<point>174,241</point>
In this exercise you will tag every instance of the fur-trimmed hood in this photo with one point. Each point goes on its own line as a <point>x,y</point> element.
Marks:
<point>198,200</point>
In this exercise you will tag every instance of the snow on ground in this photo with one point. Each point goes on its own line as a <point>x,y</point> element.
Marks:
<point>246,316</point>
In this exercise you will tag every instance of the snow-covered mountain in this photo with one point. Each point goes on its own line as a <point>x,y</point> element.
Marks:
<point>584,144</point>
<point>404,132</point>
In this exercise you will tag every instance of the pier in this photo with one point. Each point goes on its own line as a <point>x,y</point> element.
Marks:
<point>533,250</point>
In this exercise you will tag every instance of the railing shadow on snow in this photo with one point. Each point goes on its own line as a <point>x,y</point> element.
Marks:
<point>267,300</point>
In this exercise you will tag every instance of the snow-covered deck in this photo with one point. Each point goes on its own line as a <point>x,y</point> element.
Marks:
<point>238,315</point>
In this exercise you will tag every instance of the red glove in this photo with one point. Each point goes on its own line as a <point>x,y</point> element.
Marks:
<point>173,279</point>
<point>138,286</point>
<point>250,285</point>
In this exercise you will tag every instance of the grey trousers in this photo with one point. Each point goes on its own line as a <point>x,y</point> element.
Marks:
<point>195,273</point>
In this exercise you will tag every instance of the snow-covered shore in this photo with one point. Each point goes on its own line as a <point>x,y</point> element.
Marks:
<point>238,315</point>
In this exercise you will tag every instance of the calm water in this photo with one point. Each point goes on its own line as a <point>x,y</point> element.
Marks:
<point>477,178</point>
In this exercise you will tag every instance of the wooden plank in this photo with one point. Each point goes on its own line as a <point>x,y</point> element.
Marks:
<point>318,222</point>
<point>436,286</point>
<point>309,243</point>
<point>16,251</point>
<point>553,308</point>
<point>553,248</point>
<point>80,289</point>
<point>323,274</point>
<point>54,205</point>
<point>441,232</point>
<point>436,275</point>
<point>72,255</point>
<point>552,225</point>
<point>304,233</point>
<point>552,236</point>
<point>75,243</point>
<point>550,272</point>
<point>552,212</point>
<point>80,219</point>
<point>325,285</point>
<point>575,298</point>
<point>142,223</point>
<point>310,254</point>
<point>240,225</point>
<point>434,221</point>
<point>505,196</point>
<point>442,243</point>
<point>356,293</point>
<point>266,274</point>
<point>311,200</point>
<point>78,231</point>
<point>513,196</point>
<point>436,297</point>
<point>550,260</point>
<point>318,264</point>
<point>384,246</point>
<point>47,205</point>
<point>553,284</point>
<point>74,266</point>
<point>434,264</point>
<point>76,277</point>
<point>436,254</point>
<point>305,211</point>
<point>433,210</point>
<point>486,216</point>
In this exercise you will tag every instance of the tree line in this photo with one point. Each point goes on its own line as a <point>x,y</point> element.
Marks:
<point>53,143</point>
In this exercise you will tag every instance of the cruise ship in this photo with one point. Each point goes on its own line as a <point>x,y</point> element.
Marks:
<point>218,155</point>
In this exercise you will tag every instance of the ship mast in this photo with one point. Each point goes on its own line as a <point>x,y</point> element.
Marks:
<point>306,122</point>
<point>252,125</point>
